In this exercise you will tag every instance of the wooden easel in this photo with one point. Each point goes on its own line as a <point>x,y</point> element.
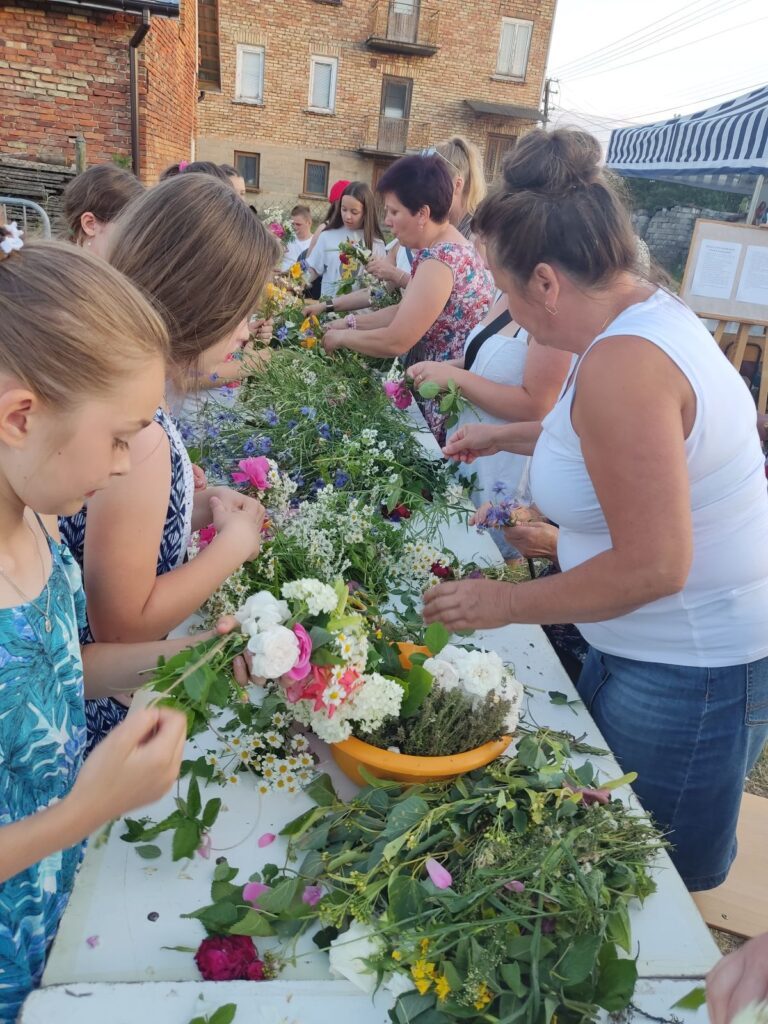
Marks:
<point>738,344</point>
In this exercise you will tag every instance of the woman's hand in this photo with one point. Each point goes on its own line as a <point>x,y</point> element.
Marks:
<point>385,270</point>
<point>334,339</point>
<point>199,477</point>
<point>315,308</point>
<point>236,515</point>
<point>471,442</point>
<point>261,330</point>
<point>135,765</point>
<point>467,604</point>
<point>737,980</point>
<point>535,539</point>
<point>439,373</point>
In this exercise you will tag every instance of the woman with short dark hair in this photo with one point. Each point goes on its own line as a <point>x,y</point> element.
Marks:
<point>450,289</point>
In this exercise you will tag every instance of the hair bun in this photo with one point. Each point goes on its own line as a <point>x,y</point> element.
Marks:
<point>553,163</point>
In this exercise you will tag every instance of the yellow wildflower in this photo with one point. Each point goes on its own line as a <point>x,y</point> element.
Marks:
<point>296,271</point>
<point>422,985</point>
<point>379,634</point>
<point>424,945</point>
<point>306,325</point>
<point>396,954</point>
<point>271,290</point>
<point>309,342</point>
<point>423,970</point>
<point>442,988</point>
<point>482,997</point>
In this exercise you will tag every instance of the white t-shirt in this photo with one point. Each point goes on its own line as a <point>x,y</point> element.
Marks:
<point>501,359</point>
<point>324,258</point>
<point>720,617</point>
<point>293,250</point>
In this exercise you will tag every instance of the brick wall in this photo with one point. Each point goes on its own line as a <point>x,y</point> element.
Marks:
<point>284,132</point>
<point>64,73</point>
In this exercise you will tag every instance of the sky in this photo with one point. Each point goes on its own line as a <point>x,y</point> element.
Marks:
<point>620,62</point>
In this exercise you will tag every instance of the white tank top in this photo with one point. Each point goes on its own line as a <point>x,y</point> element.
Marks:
<point>721,615</point>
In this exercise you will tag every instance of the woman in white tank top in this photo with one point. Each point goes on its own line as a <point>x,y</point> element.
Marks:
<point>651,466</point>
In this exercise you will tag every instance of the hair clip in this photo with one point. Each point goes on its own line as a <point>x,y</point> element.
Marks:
<point>11,238</point>
<point>183,165</point>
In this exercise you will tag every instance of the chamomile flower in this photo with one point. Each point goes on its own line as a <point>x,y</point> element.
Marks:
<point>299,743</point>
<point>279,721</point>
<point>274,739</point>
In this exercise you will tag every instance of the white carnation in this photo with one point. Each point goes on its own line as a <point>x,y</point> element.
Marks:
<point>318,596</point>
<point>261,611</point>
<point>348,953</point>
<point>274,651</point>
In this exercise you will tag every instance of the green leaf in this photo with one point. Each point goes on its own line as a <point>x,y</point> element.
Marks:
<point>429,389</point>
<point>224,872</point>
<point>616,984</point>
<point>218,693</point>
<point>619,929</point>
<point>405,814</point>
<point>194,803</point>
<point>216,917</point>
<point>225,1014</point>
<point>254,923</point>
<point>304,821</point>
<point>556,697</point>
<point>211,811</point>
<point>221,892</point>
<point>693,1000</point>
<point>512,979</point>
<point>420,683</point>
<point>279,899</point>
<point>197,685</point>
<point>321,791</point>
<point>149,852</point>
<point>406,897</point>
<point>394,846</point>
<point>186,839</point>
<point>585,773</point>
<point>319,636</point>
<point>579,959</point>
<point>436,637</point>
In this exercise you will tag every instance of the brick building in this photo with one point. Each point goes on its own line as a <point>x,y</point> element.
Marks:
<point>65,71</point>
<point>299,93</point>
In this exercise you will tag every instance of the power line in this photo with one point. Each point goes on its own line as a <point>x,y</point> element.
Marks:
<point>714,9</point>
<point>657,28</point>
<point>708,99</point>
<point>661,53</point>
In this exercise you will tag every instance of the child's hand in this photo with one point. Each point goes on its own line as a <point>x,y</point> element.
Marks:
<point>135,765</point>
<point>439,373</point>
<point>198,475</point>
<point>237,515</point>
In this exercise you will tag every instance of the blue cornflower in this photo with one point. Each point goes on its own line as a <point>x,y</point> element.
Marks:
<point>324,431</point>
<point>291,424</point>
<point>281,333</point>
<point>318,485</point>
<point>212,431</point>
<point>265,445</point>
<point>340,480</point>
<point>298,479</point>
<point>271,417</point>
<point>307,410</point>
<point>249,448</point>
<point>499,487</point>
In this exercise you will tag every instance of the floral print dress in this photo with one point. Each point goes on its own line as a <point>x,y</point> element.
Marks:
<point>42,738</point>
<point>469,301</point>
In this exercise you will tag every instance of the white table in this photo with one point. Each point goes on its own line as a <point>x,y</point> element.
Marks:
<point>117,891</point>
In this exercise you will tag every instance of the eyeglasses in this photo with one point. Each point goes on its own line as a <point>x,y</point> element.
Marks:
<point>433,151</point>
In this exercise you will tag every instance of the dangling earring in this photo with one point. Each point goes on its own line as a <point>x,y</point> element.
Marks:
<point>552,312</point>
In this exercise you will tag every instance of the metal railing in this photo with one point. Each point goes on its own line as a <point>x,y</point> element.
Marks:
<point>30,217</point>
<point>408,22</point>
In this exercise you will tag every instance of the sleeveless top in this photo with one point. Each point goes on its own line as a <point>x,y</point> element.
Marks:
<point>42,736</point>
<point>469,301</point>
<point>721,615</point>
<point>178,521</point>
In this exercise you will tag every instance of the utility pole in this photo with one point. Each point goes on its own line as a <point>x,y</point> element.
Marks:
<point>550,91</point>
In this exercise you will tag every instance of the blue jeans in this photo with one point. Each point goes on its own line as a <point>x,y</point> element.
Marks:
<point>692,735</point>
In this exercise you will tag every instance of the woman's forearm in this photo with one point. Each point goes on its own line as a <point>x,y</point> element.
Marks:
<point>379,342</point>
<point>506,401</point>
<point>518,438</point>
<point>378,318</point>
<point>359,299</point>
<point>58,827</point>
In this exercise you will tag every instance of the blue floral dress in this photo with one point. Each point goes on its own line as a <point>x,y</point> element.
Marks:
<point>42,738</point>
<point>103,714</point>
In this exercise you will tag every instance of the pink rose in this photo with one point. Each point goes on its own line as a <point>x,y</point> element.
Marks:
<point>398,393</point>
<point>205,536</point>
<point>253,471</point>
<point>277,229</point>
<point>301,669</point>
<point>229,958</point>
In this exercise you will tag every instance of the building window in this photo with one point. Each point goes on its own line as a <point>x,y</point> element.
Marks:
<point>514,44</point>
<point>322,83</point>
<point>316,174</point>
<point>248,166</point>
<point>249,75</point>
<point>496,149</point>
<point>209,70</point>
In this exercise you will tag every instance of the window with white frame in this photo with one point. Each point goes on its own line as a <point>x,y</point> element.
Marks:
<point>514,44</point>
<point>322,83</point>
<point>249,74</point>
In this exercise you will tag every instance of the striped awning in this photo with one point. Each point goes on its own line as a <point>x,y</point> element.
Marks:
<point>729,138</point>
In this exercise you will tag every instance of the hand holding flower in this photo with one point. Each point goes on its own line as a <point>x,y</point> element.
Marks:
<point>334,339</point>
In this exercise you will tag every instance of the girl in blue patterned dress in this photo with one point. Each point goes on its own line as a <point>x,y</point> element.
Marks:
<point>73,332</point>
<point>198,251</point>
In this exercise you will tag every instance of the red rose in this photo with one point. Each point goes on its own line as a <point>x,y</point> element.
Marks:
<point>443,572</point>
<point>229,958</point>
<point>343,258</point>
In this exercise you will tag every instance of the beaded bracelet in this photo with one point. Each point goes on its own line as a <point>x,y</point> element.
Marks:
<point>351,321</point>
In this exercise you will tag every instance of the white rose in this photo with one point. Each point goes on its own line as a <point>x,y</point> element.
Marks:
<point>348,952</point>
<point>273,652</point>
<point>443,672</point>
<point>261,611</point>
<point>481,672</point>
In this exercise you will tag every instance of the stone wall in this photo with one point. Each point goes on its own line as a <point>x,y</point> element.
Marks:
<point>668,232</point>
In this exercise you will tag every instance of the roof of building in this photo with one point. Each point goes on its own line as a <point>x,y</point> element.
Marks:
<point>505,110</point>
<point>167,8</point>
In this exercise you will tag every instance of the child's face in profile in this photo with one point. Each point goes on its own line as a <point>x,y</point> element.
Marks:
<point>352,213</point>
